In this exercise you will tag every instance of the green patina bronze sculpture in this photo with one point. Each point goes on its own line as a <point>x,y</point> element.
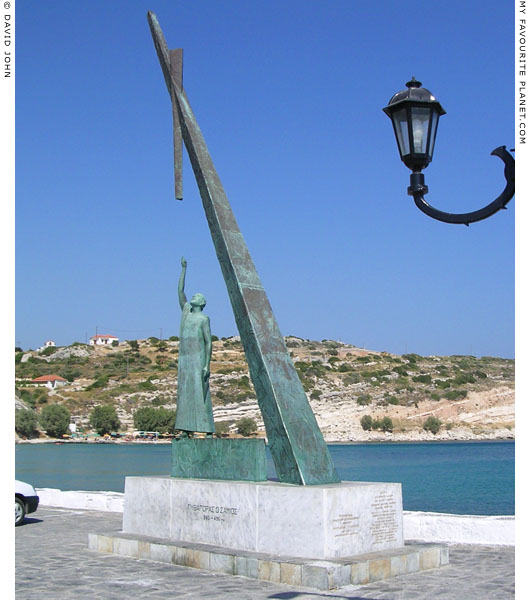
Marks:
<point>194,404</point>
<point>296,443</point>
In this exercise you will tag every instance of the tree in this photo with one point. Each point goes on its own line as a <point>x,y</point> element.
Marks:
<point>55,419</point>
<point>133,344</point>
<point>246,426</point>
<point>104,419</point>
<point>366,422</point>
<point>386,424</point>
<point>26,422</point>
<point>432,424</point>
<point>154,419</point>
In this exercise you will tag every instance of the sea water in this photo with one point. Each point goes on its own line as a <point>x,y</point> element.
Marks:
<point>476,478</point>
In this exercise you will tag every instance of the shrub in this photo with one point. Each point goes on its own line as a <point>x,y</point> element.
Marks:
<point>55,419</point>
<point>464,378</point>
<point>147,385</point>
<point>366,422</point>
<point>49,350</point>
<point>133,344</point>
<point>422,379</point>
<point>400,371</point>
<point>364,400</point>
<point>246,426</point>
<point>222,428</point>
<point>442,384</point>
<point>432,424</point>
<point>391,399</point>
<point>243,382</point>
<point>104,419</point>
<point>100,382</point>
<point>455,394</point>
<point>411,358</point>
<point>26,422</point>
<point>315,394</point>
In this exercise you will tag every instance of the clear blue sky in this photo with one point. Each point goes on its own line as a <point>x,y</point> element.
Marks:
<point>288,95</point>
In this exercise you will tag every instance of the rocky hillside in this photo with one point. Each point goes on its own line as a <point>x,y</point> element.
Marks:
<point>470,397</point>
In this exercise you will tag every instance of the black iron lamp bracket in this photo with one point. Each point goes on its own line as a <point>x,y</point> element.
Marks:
<point>418,189</point>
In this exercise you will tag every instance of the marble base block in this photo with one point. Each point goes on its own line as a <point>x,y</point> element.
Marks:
<point>319,522</point>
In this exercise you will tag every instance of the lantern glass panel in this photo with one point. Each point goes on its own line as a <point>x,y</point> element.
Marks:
<point>399,119</point>
<point>434,128</point>
<point>420,128</point>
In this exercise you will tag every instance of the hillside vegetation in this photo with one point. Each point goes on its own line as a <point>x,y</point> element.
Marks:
<point>356,395</point>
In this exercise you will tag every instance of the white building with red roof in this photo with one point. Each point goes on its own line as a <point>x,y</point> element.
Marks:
<point>50,381</point>
<point>103,340</point>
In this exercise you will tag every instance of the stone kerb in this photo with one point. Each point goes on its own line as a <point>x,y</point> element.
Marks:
<point>104,501</point>
<point>459,529</point>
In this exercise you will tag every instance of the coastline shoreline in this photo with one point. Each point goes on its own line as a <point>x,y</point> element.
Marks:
<point>328,442</point>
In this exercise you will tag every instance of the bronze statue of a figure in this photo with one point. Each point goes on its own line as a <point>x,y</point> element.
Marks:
<point>194,405</point>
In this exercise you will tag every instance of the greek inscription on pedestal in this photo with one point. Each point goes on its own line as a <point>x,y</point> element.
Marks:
<point>208,512</point>
<point>345,525</point>
<point>384,524</point>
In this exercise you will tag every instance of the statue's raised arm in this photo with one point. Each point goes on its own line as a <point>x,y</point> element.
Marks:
<point>182,281</point>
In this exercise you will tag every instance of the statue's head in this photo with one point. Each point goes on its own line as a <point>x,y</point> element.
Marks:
<point>198,300</point>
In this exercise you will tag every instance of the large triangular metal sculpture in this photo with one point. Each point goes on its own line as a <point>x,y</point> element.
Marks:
<point>296,443</point>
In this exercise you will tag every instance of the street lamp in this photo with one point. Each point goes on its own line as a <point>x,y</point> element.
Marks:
<point>415,113</point>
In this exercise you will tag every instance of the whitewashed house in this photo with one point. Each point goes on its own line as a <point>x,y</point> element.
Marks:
<point>50,381</point>
<point>103,340</point>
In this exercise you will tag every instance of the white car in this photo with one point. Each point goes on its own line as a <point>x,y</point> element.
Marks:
<point>26,500</point>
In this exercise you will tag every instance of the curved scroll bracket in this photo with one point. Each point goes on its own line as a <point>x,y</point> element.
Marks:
<point>418,188</point>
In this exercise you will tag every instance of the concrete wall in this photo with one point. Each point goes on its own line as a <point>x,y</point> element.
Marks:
<point>420,526</point>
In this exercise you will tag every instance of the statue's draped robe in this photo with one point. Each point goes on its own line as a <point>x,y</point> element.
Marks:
<point>194,405</point>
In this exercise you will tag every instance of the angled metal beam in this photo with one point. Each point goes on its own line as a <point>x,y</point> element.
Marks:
<point>296,443</point>
<point>175,59</point>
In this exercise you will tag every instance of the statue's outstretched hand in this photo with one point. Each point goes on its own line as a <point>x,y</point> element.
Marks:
<point>183,262</point>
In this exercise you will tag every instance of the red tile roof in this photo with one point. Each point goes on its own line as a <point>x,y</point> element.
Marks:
<point>103,336</point>
<point>43,378</point>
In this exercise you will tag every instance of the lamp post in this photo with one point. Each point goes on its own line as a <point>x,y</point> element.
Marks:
<point>415,113</point>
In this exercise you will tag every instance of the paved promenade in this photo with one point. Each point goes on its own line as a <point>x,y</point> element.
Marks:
<point>53,561</point>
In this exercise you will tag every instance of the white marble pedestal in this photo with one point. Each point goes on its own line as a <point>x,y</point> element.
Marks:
<point>318,522</point>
